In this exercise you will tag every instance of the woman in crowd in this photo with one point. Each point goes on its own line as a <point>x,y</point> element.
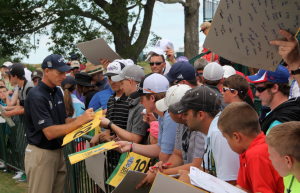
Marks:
<point>84,86</point>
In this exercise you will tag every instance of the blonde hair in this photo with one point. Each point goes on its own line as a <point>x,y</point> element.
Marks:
<point>285,139</point>
<point>239,117</point>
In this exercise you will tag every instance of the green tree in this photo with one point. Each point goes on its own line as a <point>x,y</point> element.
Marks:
<point>126,23</point>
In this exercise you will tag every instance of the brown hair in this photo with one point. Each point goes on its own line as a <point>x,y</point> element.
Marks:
<point>239,83</point>
<point>68,90</point>
<point>2,81</point>
<point>154,54</point>
<point>284,88</point>
<point>157,96</point>
<point>285,139</point>
<point>239,117</point>
<point>210,82</point>
<point>84,89</point>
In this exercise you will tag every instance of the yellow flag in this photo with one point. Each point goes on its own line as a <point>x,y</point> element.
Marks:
<point>83,129</point>
<point>128,161</point>
<point>81,155</point>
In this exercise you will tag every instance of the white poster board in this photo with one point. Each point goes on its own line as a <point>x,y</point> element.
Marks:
<point>241,30</point>
<point>95,167</point>
<point>95,49</point>
<point>7,120</point>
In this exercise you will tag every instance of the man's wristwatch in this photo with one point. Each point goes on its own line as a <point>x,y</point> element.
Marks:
<point>294,72</point>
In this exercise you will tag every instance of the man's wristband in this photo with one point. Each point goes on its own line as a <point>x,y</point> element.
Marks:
<point>109,124</point>
<point>131,147</point>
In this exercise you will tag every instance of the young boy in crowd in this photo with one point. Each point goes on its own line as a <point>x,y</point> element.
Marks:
<point>235,89</point>
<point>239,124</point>
<point>284,145</point>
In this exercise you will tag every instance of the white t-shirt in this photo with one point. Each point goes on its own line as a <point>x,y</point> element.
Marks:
<point>227,162</point>
<point>27,74</point>
<point>296,90</point>
<point>168,67</point>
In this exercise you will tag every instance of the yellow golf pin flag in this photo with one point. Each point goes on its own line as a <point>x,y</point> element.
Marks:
<point>128,161</point>
<point>83,129</point>
<point>81,155</point>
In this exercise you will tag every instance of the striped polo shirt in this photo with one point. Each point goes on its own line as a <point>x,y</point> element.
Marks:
<point>117,110</point>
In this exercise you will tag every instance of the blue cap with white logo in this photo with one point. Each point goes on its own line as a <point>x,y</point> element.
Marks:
<point>181,71</point>
<point>57,62</point>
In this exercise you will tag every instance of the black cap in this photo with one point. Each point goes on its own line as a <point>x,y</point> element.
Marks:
<point>139,88</point>
<point>84,79</point>
<point>36,74</point>
<point>74,57</point>
<point>17,70</point>
<point>200,98</point>
<point>57,62</point>
<point>69,80</point>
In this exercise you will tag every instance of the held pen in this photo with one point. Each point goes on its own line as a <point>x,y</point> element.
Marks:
<point>167,164</point>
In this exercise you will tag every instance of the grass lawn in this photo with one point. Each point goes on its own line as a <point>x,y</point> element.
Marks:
<point>8,185</point>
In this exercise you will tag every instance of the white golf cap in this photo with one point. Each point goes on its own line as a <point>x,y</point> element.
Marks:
<point>114,69</point>
<point>228,71</point>
<point>75,64</point>
<point>7,64</point>
<point>161,46</point>
<point>155,83</point>
<point>213,71</point>
<point>173,95</point>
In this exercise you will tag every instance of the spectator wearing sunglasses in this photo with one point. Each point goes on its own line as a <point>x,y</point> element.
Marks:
<point>201,108</point>
<point>273,90</point>
<point>235,89</point>
<point>211,57</point>
<point>213,78</point>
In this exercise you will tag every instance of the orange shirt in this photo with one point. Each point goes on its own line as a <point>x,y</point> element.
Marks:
<point>257,173</point>
<point>208,56</point>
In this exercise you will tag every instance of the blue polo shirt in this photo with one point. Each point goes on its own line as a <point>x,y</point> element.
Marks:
<point>44,107</point>
<point>100,99</point>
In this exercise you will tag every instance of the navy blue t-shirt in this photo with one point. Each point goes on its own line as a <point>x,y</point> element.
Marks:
<point>44,107</point>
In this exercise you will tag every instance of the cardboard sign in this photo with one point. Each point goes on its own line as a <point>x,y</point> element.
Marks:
<point>83,129</point>
<point>241,30</point>
<point>81,155</point>
<point>7,119</point>
<point>95,167</point>
<point>211,183</point>
<point>131,180</point>
<point>95,49</point>
<point>164,183</point>
<point>128,161</point>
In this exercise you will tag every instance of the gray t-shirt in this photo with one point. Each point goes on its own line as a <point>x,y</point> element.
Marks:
<point>192,140</point>
<point>135,123</point>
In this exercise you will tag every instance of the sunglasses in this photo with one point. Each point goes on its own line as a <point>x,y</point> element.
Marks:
<point>231,89</point>
<point>157,63</point>
<point>261,89</point>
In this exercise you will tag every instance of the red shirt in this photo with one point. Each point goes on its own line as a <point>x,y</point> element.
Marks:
<point>256,172</point>
<point>249,91</point>
<point>208,56</point>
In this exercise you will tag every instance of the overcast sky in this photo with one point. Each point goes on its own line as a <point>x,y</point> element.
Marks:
<point>167,22</point>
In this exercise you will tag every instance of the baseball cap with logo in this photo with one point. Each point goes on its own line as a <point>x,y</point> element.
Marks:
<point>16,70</point>
<point>114,69</point>
<point>181,71</point>
<point>75,64</point>
<point>152,83</point>
<point>200,98</point>
<point>182,59</point>
<point>7,64</point>
<point>36,74</point>
<point>281,75</point>
<point>57,62</point>
<point>173,95</point>
<point>161,46</point>
<point>213,71</point>
<point>132,72</point>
